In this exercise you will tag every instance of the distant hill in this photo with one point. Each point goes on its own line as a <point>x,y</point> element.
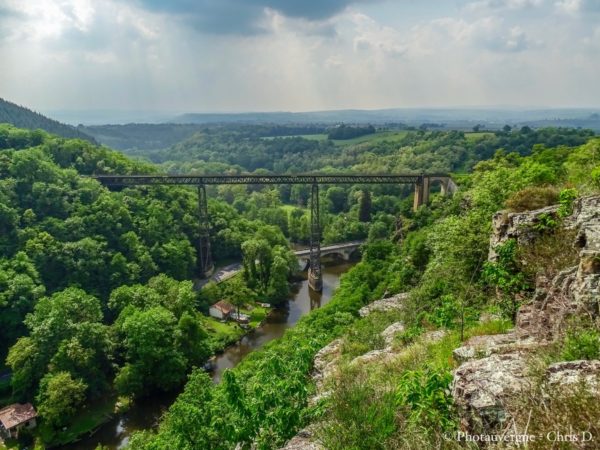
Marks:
<point>141,135</point>
<point>448,118</point>
<point>22,117</point>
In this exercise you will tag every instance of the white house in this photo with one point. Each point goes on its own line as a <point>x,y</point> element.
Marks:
<point>221,310</point>
<point>15,417</point>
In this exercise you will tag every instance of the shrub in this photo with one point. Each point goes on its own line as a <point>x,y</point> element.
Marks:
<point>534,197</point>
<point>596,177</point>
<point>581,344</point>
<point>553,414</point>
<point>566,199</point>
<point>546,222</point>
<point>506,276</point>
<point>548,254</point>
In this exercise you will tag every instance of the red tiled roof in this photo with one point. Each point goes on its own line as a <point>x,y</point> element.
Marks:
<point>16,414</point>
<point>223,306</point>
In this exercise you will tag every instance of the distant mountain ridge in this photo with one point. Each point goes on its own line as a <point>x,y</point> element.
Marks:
<point>22,117</point>
<point>451,117</point>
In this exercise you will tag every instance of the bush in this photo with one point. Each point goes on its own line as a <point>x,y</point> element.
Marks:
<point>534,197</point>
<point>548,254</point>
<point>566,199</point>
<point>581,344</point>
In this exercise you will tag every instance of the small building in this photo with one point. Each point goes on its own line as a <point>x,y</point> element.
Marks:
<point>221,310</point>
<point>15,417</point>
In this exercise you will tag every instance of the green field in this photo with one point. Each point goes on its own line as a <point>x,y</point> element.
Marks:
<point>311,137</point>
<point>477,135</point>
<point>377,137</point>
<point>390,136</point>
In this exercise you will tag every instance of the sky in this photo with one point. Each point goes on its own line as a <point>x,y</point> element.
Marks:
<point>306,55</point>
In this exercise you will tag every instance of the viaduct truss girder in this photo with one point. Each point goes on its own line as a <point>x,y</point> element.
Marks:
<point>420,181</point>
<point>197,180</point>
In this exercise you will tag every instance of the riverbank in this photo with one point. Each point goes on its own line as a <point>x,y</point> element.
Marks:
<point>145,413</point>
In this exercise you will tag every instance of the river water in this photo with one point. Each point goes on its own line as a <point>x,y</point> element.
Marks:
<point>146,413</point>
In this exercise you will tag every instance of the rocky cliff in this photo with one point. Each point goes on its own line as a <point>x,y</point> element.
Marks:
<point>495,370</point>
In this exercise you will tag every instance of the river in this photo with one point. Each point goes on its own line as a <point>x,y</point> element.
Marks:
<point>146,413</point>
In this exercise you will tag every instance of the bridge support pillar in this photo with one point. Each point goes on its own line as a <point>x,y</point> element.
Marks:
<point>315,277</point>
<point>205,261</point>
<point>419,193</point>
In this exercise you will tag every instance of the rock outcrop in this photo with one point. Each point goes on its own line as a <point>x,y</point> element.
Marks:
<point>387,304</point>
<point>576,375</point>
<point>494,368</point>
<point>304,440</point>
<point>482,386</point>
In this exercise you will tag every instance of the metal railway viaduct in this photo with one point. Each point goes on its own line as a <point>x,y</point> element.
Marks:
<point>422,183</point>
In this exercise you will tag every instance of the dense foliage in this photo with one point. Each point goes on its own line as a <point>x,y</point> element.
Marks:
<point>263,401</point>
<point>348,132</point>
<point>22,117</point>
<point>95,297</point>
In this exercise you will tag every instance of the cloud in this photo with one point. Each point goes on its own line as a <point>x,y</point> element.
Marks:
<point>487,33</point>
<point>576,7</point>
<point>233,55</point>
<point>515,5</point>
<point>376,39</point>
<point>242,17</point>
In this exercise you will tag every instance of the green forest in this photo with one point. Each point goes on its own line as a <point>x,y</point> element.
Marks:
<point>98,295</point>
<point>22,117</point>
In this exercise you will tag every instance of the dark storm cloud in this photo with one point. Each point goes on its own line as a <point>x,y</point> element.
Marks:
<point>243,16</point>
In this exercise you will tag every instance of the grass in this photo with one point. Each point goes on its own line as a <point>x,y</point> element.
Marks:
<point>310,137</point>
<point>398,403</point>
<point>377,137</point>
<point>257,315</point>
<point>390,136</point>
<point>9,444</point>
<point>474,136</point>
<point>223,334</point>
<point>87,420</point>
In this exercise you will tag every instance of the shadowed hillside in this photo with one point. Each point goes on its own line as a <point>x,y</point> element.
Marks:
<point>25,118</point>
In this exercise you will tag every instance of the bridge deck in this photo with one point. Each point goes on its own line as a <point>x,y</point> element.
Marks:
<point>196,180</point>
<point>330,248</point>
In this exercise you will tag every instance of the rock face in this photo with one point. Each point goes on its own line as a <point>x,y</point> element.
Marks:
<point>494,370</point>
<point>517,226</point>
<point>304,440</point>
<point>383,305</point>
<point>390,333</point>
<point>324,366</point>
<point>482,386</point>
<point>575,374</point>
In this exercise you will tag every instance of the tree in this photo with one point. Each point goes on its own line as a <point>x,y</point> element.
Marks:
<point>192,339</point>
<point>152,354</point>
<point>59,398</point>
<point>364,207</point>
<point>20,289</point>
<point>238,294</point>
<point>64,331</point>
<point>338,198</point>
<point>191,420</point>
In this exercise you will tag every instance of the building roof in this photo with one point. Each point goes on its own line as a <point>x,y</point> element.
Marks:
<point>16,414</point>
<point>223,306</point>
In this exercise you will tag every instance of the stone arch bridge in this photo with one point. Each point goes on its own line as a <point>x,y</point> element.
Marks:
<point>421,182</point>
<point>343,250</point>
